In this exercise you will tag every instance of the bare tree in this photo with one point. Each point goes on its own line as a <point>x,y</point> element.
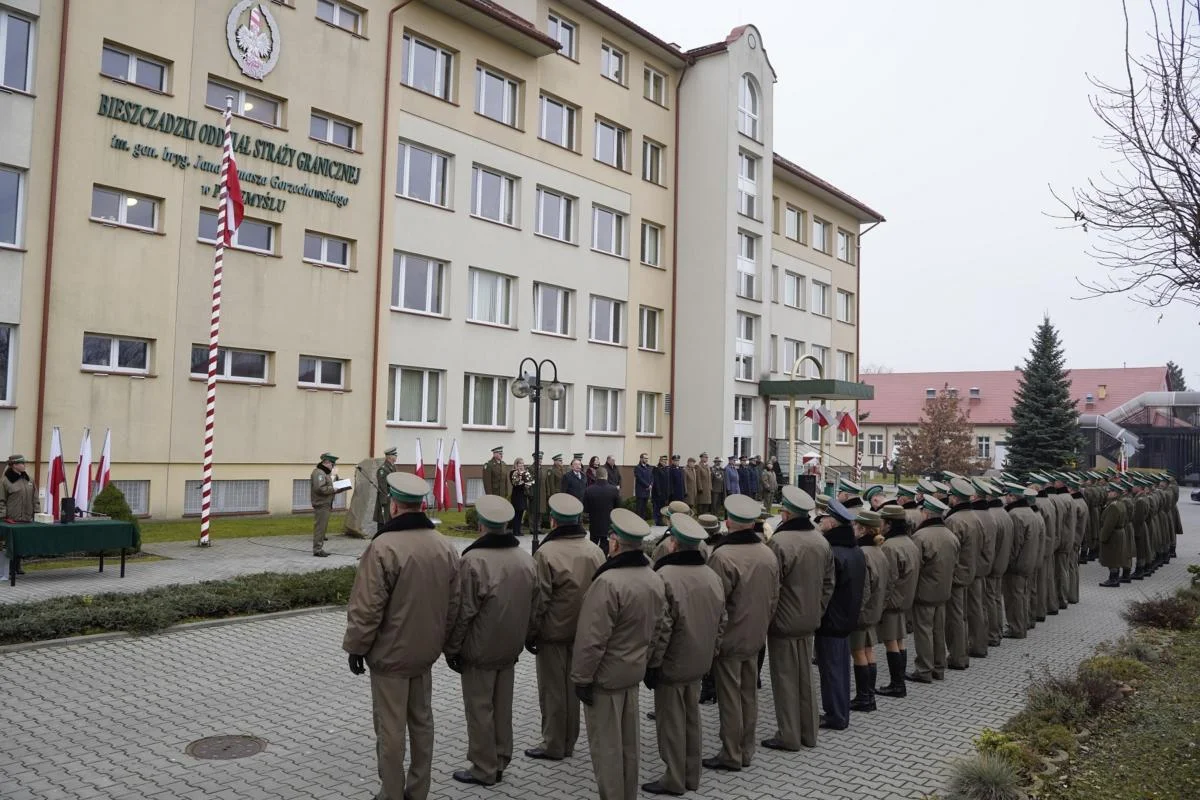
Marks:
<point>876,369</point>
<point>943,439</point>
<point>1143,219</point>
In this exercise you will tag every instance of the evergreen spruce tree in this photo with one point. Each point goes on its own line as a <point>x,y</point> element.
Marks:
<point>1175,380</point>
<point>1045,432</point>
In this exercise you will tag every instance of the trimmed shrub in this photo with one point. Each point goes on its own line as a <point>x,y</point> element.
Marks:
<point>1172,613</point>
<point>630,503</point>
<point>985,776</point>
<point>471,518</point>
<point>1013,750</point>
<point>1052,738</point>
<point>1120,669</point>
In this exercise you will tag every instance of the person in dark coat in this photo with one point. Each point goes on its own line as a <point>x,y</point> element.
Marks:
<point>574,482</point>
<point>755,487</point>
<point>643,483</point>
<point>832,643</point>
<point>614,472</point>
<point>599,500</point>
<point>593,465</point>
<point>743,470</point>
<point>660,491</point>
<point>678,483</point>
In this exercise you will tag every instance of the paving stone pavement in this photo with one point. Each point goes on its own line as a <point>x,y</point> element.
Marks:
<point>111,719</point>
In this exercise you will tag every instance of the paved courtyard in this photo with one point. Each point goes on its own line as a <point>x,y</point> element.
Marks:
<point>111,719</point>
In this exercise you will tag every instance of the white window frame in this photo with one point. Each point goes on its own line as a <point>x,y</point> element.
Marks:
<point>653,162</point>
<point>845,366</point>
<point>112,366</point>
<point>793,223</point>
<point>793,287</point>
<point>443,78</point>
<point>845,306</point>
<point>620,155</point>
<point>747,265</point>
<point>339,9</point>
<point>504,297</point>
<point>566,215</point>
<point>743,408</point>
<point>510,98</point>
<point>435,284</point>
<point>440,170</point>
<point>499,401</point>
<point>330,122</point>
<point>983,447</point>
<point>654,83</point>
<point>749,168</point>
<point>845,246</point>
<point>749,104</point>
<point>8,372</point>
<point>875,445</point>
<point>240,101</point>
<point>841,437</point>
<point>611,55</point>
<point>225,365</point>
<point>133,62</point>
<point>123,205</point>
<point>745,346</point>
<point>318,373</point>
<point>616,317</point>
<point>820,240</point>
<point>30,58</point>
<point>556,416</point>
<point>796,348</point>
<point>821,353</point>
<point>774,353</point>
<point>323,258</point>
<point>612,413</point>
<point>650,329</point>
<point>819,291</point>
<point>508,198</point>
<point>616,228</point>
<point>555,27</point>
<point>19,204</point>
<point>647,413</point>
<point>570,116</point>
<point>428,399</point>
<point>564,307</point>
<point>274,228</point>
<point>652,236</point>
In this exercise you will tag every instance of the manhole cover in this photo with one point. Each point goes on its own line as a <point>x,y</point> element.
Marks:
<point>226,747</point>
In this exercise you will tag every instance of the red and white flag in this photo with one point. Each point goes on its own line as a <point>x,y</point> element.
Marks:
<point>104,471</point>
<point>439,481</point>
<point>82,491</point>
<point>235,207</point>
<point>454,471</point>
<point>56,476</point>
<point>820,415</point>
<point>419,470</point>
<point>847,423</point>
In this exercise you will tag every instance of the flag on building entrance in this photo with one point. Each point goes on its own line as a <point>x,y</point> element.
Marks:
<point>439,481</point>
<point>419,471</point>
<point>455,474</point>
<point>104,471</point>
<point>820,415</point>
<point>847,423</point>
<point>82,490</point>
<point>56,476</point>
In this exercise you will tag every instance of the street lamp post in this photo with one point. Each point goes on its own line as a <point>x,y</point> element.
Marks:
<point>529,384</point>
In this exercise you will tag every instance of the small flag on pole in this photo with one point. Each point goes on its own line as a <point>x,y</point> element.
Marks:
<point>439,481</point>
<point>82,490</point>
<point>820,415</point>
<point>56,476</point>
<point>104,471</point>
<point>455,475</point>
<point>419,471</point>
<point>847,423</point>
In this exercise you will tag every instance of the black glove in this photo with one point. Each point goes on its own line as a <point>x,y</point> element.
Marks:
<point>585,693</point>
<point>532,647</point>
<point>651,679</point>
<point>454,663</point>
<point>357,666</point>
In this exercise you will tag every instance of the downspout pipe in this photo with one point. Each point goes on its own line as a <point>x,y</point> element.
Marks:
<point>675,264</point>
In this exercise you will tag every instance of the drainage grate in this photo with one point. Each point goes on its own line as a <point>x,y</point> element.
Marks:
<point>226,747</point>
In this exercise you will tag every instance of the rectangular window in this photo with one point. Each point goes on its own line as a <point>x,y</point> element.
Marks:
<point>244,366</point>
<point>8,348</point>
<point>748,185</point>
<point>325,128</point>
<point>427,67</point>
<point>422,174</point>
<point>612,63</point>
<point>842,437</point>
<point>252,234</point>
<point>125,209</point>
<point>875,445</point>
<point>563,32</point>
<point>302,498</point>
<point>326,373</point>
<point>551,309</point>
<point>496,96</point>
<point>774,354</point>
<point>845,244</point>
<point>340,14</point>
<point>555,215</point>
<point>655,86</point>
<point>744,347</point>
<point>228,497</point>
<point>793,224</point>
<point>647,413</point>
<point>820,240</point>
<point>115,354</point>
<point>845,366</point>
<point>747,265</point>
<point>417,283</point>
<point>489,297</point>
<point>124,65</point>
<point>246,103</point>
<point>821,354</point>
<point>557,122</point>
<point>554,413</point>
<point>792,351</point>
<point>415,396</point>
<point>603,410</point>
<point>611,144</point>
<point>743,409</point>
<point>137,494</point>
<point>793,289</point>
<point>485,401</point>
<point>608,231</point>
<point>652,236</point>
<point>492,195</point>
<point>328,251</point>
<point>820,299</point>
<point>648,327</point>
<point>608,321</point>
<point>983,446</point>
<point>11,203</point>
<point>16,51</point>
<point>652,161</point>
<point>845,306</point>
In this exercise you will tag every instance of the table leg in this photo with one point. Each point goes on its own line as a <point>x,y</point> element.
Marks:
<point>122,562</point>
<point>102,561</point>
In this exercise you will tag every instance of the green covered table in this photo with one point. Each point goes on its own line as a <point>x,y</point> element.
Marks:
<point>87,536</point>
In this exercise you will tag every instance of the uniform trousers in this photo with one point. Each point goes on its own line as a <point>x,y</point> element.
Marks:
<point>643,507</point>
<point>321,516</point>
<point>488,698</point>
<point>796,713</point>
<point>556,696</point>
<point>1037,610</point>
<point>737,706</point>
<point>401,705</point>
<point>703,508</point>
<point>612,727</point>
<point>1062,576</point>
<point>1073,571</point>
<point>1049,594</point>
<point>1016,604</point>
<point>677,717</point>
<point>994,598</point>
<point>833,664</point>
<point>977,617</point>
<point>929,639</point>
<point>956,626</point>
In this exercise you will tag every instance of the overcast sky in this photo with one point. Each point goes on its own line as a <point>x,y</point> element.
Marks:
<point>952,119</point>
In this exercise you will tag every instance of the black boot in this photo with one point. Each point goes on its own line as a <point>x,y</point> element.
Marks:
<point>1114,579</point>
<point>864,697</point>
<point>896,666</point>
<point>1125,578</point>
<point>1139,573</point>
<point>708,689</point>
<point>762,656</point>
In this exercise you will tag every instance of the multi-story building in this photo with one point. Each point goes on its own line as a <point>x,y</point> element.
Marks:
<point>434,190</point>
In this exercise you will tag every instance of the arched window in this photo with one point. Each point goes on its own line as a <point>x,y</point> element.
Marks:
<point>748,107</point>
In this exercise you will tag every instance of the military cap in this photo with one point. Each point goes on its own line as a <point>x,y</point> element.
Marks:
<point>927,486</point>
<point>981,486</point>
<point>494,511</point>
<point>742,508</point>
<point>686,529</point>
<point>565,507</point>
<point>869,519</point>
<point>1029,493</point>
<point>1040,478</point>
<point>797,501</point>
<point>675,457</point>
<point>849,487</point>
<point>704,454</point>
<point>404,487</point>
<point>872,491</point>
<point>628,525</point>
<point>391,451</point>
<point>941,488</point>
<point>948,476</point>
<point>840,511</point>
<point>556,457</point>
<point>821,501</point>
<point>16,458</point>
<point>709,522</point>
<point>892,512</point>
<point>934,506</point>
<point>717,460</point>
<point>499,449</point>
<point>577,457</point>
<point>330,457</point>
<point>961,487</point>
<point>1013,488</point>
<point>1008,477</point>
<point>1114,487</point>
<point>675,507</point>
<point>903,490</point>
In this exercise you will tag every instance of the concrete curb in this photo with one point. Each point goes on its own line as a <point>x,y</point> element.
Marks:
<point>186,626</point>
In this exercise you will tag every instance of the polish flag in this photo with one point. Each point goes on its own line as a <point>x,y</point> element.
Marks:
<point>455,474</point>
<point>104,471</point>
<point>847,423</point>
<point>820,415</point>
<point>235,207</point>
<point>82,490</point>
<point>419,471</point>
<point>56,476</point>
<point>439,481</point>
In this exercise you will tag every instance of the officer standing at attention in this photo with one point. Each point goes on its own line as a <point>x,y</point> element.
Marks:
<point>565,562</point>
<point>704,485</point>
<point>574,482</point>
<point>401,609</point>
<point>718,487</point>
<point>1112,538</point>
<point>868,529</point>
<point>321,494</point>
<point>966,530</point>
<point>1027,532</point>
<point>381,475</point>
<point>841,616</point>
<point>495,474</point>
<point>904,558</point>
<point>935,586</point>
<point>1001,559</point>
<point>618,622</point>
<point>643,480</point>
<point>749,575</point>
<point>660,490</point>
<point>551,484</point>
<point>978,634</point>
<point>683,651</point>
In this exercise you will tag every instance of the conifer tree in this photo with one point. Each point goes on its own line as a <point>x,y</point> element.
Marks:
<point>1175,379</point>
<point>1045,432</point>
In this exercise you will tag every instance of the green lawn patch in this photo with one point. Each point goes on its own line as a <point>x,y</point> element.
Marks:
<point>30,565</point>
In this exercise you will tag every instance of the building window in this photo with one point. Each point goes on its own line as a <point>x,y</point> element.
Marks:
<point>555,215</point>
<point>612,63</point>
<point>485,401</point>
<point>607,320</point>
<point>748,107</point>
<point>651,244</point>
<point>328,251</point>
<point>228,497</point>
<point>340,14</point>
<point>611,144</point>
<point>743,361</point>
<point>137,494</point>
<point>244,366</point>
<point>490,297</point>
<point>427,67</point>
<point>422,174</point>
<point>246,103</point>
<point>325,128</point>
<point>8,347</point>
<point>792,351</point>
<point>820,240</point>
<point>820,299</point>
<point>793,289</point>
<point>492,195</point>
<point>741,446</point>
<point>551,309</point>
<point>845,246</point>
<point>125,209</point>
<point>841,437</point>
<point>16,51</point>
<point>652,162</point>
<point>496,96</point>
<point>558,122</point>
<point>564,33</point>
<point>845,366</point>
<point>845,306</point>
<point>983,446</point>
<point>748,185</point>
<point>554,413</point>
<point>743,409</point>
<point>747,265</point>
<point>774,353</point>
<point>116,62</point>
<point>655,86</point>
<point>608,231</point>
<point>417,283</point>
<point>875,445</point>
<point>415,396</point>
<point>252,234</point>
<point>648,328</point>
<point>821,354</point>
<point>302,496</point>
<point>647,413</point>
<point>11,203</point>
<point>603,410</point>
<point>793,224</point>
<point>326,373</point>
<point>115,354</point>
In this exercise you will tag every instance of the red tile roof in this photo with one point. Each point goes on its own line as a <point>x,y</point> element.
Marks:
<point>800,172</point>
<point>900,396</point>
<point>667,47</point>
<point>514,21</point>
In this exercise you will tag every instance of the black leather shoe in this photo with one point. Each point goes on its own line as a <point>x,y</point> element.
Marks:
<point>939,676</point>
<point>320,554</point>
<point>959,666</point>
<point>915,678</point>
<point>540,754</point>
<point>716,763</point>
<point>867,704</point>
<point>775,743</point>
<point>1111,583</point>
<point>465,776</point>
<point>654,787</point>
<point>893,691</point>
<point>825,723</point>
